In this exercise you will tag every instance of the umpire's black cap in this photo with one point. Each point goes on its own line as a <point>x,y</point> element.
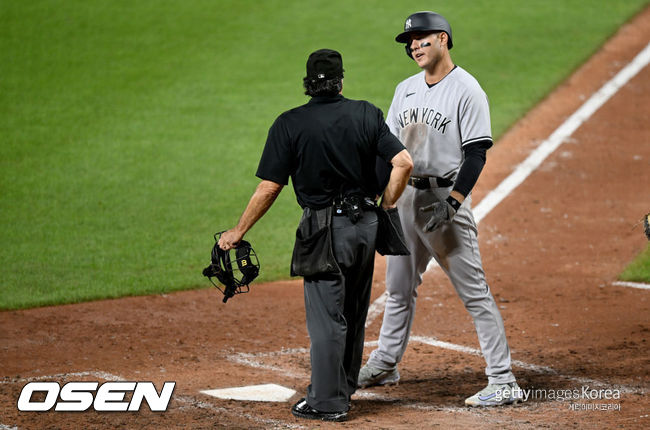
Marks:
<point>424,21</point>
<point>324,64</point>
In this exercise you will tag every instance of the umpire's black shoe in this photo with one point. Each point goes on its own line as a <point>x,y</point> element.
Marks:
<point>303,410</point>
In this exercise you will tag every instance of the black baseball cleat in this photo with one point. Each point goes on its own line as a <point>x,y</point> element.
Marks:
<point>303,410</point>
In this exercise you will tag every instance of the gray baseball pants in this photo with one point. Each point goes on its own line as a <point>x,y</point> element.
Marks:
<point>336,307</point>
<point>455,247</point>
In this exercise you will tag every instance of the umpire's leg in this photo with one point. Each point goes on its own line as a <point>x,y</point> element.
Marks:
<point>357,267</point>
<point>324,297</point>
<point>336,307</point>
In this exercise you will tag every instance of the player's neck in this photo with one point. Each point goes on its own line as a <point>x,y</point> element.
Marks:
<point>436,72</point>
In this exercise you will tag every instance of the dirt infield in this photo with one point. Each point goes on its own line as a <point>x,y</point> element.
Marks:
<point>551,250</point>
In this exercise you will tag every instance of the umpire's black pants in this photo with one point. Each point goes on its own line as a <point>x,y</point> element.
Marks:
<point>336,307</point>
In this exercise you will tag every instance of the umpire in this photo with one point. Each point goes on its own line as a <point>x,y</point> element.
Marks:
<point>328,147</point>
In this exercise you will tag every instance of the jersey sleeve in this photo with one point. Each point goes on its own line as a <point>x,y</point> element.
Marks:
<point>391,119</point>
<point>276,163</point>
<point>474,118</point>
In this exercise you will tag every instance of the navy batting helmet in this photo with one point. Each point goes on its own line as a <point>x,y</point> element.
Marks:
<point>422,22</point>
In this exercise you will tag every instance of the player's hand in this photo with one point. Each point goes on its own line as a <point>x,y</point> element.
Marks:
<point>441,212</point>
<point>229,239</point>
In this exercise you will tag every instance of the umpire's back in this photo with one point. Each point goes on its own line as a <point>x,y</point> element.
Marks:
<point>328,146</point>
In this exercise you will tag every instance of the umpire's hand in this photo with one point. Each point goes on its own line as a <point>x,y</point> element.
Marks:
<point>229,239</point>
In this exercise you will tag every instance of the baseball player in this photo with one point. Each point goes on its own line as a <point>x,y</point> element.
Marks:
<point>442,117</point>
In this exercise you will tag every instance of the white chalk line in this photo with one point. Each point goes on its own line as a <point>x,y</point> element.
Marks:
<point>250,361</point>
<point>638,285</point>
<point>283,351</point>
<point>535,159</point>
<point>528,366</point>
<point>563,132</point>
<point>443,345</point>
<point>472,351</point>
<point>100,375</point>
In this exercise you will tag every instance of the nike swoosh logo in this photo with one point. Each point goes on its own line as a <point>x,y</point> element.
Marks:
<point>374,375</point>
<point>484,398</point>
<point>409,94</point>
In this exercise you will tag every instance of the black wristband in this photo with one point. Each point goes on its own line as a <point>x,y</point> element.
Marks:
<point>454,203</point>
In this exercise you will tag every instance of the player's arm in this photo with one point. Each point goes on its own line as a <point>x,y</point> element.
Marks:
<point>260,202</point>
<point>474,123</point>
<point>470,170</point>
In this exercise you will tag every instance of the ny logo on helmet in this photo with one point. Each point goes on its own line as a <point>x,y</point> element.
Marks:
<point>407,24</point>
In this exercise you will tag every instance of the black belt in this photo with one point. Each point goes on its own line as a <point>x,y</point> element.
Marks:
<point>429,182</point>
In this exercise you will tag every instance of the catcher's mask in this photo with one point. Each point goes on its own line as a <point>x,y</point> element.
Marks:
<point>234,277</point>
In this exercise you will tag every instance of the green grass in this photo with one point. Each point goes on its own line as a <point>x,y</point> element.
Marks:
<point>130,131</point>
<point>639,269</point>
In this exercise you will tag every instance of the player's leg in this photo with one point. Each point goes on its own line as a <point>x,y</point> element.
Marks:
<point>458,254</point>
<point>403,275</point>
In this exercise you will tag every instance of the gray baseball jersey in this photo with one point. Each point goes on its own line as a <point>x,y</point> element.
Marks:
<point>436,123</point>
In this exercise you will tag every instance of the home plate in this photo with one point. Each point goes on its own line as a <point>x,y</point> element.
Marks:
<point>256,393</point>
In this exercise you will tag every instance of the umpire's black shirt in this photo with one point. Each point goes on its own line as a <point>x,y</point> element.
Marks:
<point>328,147</point>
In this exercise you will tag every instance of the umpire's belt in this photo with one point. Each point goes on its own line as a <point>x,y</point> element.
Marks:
<point>429,182</point>
<point>352,206</point>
